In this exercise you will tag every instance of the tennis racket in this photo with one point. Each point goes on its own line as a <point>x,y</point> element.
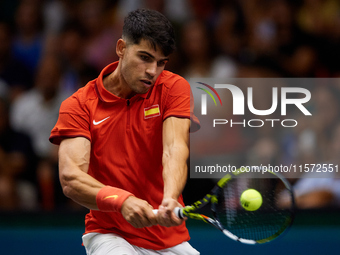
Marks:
<point>265,224</point>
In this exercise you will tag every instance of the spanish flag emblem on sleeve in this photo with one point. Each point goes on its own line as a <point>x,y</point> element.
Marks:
<point>152,111</point>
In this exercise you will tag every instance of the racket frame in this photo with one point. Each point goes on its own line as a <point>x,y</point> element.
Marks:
<point>190,210</point>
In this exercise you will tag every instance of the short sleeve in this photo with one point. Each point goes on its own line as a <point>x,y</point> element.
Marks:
<point>73,121</point>
<point>179,102</point>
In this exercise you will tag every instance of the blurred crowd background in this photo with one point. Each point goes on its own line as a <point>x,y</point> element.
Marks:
<point>51,48</point>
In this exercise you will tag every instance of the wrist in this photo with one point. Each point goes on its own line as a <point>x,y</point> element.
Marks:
<point>110,199</point>
<point>169,193</point>
<point>171,196</point>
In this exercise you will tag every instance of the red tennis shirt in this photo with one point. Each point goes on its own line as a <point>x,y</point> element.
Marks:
<point>126,148</point>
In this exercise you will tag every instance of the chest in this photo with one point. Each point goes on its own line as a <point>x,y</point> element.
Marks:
<point>126,122</point>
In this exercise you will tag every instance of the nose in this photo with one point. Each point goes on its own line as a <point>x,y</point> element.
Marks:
<point>151,69</point>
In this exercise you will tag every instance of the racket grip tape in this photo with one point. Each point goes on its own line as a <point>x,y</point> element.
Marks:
<point>178,212</point>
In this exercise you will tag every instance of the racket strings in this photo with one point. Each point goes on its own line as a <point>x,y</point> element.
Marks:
<point>269,220</point>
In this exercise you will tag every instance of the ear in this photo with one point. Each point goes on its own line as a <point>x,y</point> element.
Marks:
<point>120,48</point>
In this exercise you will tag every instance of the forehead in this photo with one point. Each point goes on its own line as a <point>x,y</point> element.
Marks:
<point>146,46</point>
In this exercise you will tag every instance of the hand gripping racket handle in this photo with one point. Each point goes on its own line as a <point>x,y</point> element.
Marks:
<point>178,212</point>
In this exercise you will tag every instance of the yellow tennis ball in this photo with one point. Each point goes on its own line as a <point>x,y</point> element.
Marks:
<point>251,200</point>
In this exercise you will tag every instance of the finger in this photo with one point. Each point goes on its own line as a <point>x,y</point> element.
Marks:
<point>146,216</point>
<point>150,217</point>
<point>161,209</point>
<point>167,217</point>
<point>143,221</point>
<point>168,211</point>
<point>139,219</point>
<point>175,219</point>
<point>135,223</point>
<point>167,222</point>
<point>162,219</point>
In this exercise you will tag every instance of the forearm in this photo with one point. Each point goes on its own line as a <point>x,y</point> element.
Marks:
<point>81,188</point>
<point>77,184</point>
<point>175,156</point>
<point>175,170</point>
<point>92,194</point>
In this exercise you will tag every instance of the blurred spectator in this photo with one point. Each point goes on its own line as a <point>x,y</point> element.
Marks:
<point>28,39</point>
<point>203,10</point>
<point>7,10</point>
<point>229,29</point>
<point>55,15</point>
<point>196,50</point>
<point>178,11</point>
<point>198,57</point>
<point>199,61</point>
<point>17,167</point>
<point>274,41</point>
<point>260,28</point>
<point>101,37</point>
<point>15,75</point>
<point>265,151</point>
<point>325,116</point>
<point>36,112</point>
<point>3,89</point>
<point>301,63</point>
<point>317,190</point>
<point>319,17</point>
<point>71,52</point>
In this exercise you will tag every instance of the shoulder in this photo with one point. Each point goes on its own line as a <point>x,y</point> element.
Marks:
<point>174,83</point>
<point>80,99</point>
<point>169,78</point>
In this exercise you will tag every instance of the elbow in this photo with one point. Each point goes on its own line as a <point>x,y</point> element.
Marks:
<point>67,183</point>
<point>67,190</point>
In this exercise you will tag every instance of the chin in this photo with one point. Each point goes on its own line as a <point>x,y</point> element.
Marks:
<point>142,90</point>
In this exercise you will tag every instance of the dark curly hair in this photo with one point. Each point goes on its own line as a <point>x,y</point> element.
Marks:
<point>151,26</point>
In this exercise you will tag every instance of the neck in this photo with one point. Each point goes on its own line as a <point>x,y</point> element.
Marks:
<point>116,84</point>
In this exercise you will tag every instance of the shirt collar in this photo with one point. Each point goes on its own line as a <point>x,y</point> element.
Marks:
<point>106,95</point>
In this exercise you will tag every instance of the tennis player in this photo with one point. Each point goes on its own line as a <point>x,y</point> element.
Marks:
<point>124,145</point>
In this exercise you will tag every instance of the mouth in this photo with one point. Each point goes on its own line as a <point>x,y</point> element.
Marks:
<point>147,83</point>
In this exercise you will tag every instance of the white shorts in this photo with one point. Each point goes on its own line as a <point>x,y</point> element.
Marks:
<point>112,244</point>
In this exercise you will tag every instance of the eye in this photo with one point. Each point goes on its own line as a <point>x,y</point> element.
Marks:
<point>144,57</point>
<point>161,63</point>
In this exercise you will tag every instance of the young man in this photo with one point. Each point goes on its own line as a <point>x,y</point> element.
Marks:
<point>124,145</point>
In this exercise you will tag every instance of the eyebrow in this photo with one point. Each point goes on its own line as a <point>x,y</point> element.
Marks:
<point>151,56</point>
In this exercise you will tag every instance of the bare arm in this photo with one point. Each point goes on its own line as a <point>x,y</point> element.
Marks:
<point>74,159</point>
<point>175,155</point>
<point>77,184</point>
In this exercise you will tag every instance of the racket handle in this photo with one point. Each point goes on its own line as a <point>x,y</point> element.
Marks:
<point>177,211</point>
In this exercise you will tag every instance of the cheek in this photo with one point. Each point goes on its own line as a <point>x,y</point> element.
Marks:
<point>132,71</point>
<point>134,66</point>
<point>127,68</point>
<point>159,70</point>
